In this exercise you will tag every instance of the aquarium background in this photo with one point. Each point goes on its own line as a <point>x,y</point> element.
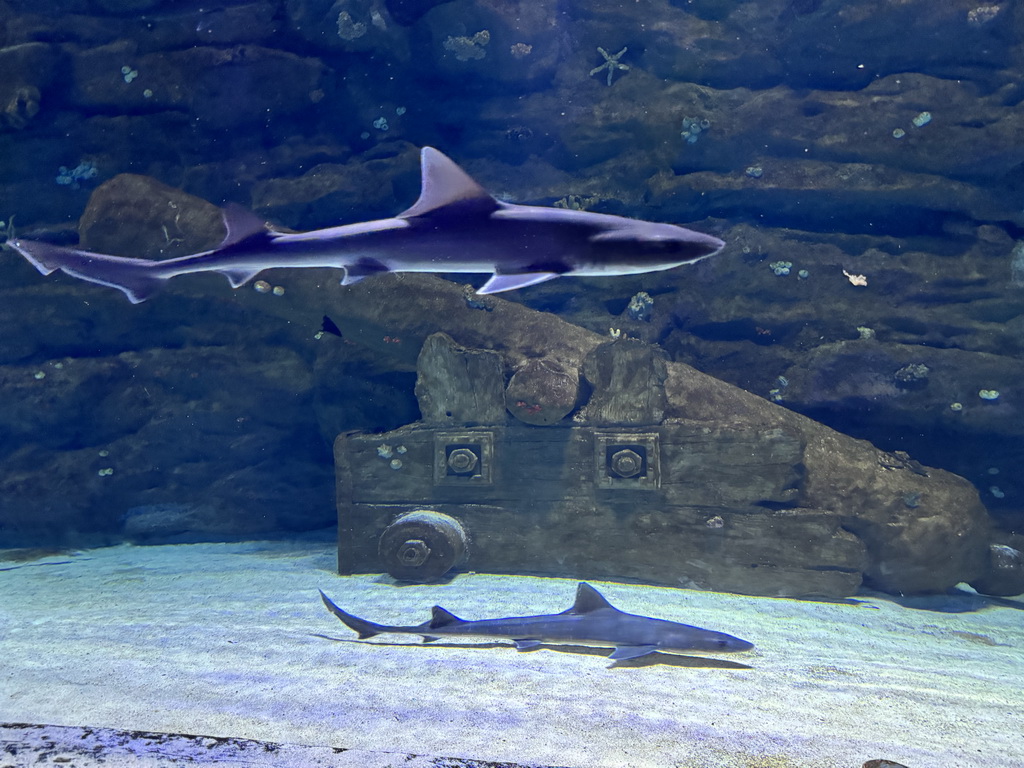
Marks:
<point>822,140</point>
<point>863,161</point>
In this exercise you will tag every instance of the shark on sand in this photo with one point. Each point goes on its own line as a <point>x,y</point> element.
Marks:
<point>454,227</point>
<point>591,621</point>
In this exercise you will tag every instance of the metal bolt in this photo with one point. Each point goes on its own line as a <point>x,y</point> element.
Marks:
<point>462,460</point>
<point>626,463</point>
<point>414,552</point>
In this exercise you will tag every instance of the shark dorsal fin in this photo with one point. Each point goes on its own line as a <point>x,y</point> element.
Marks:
<point>442,618</point>
<point>443,184</point>
<point>241,224</point>
<point>588,599</point>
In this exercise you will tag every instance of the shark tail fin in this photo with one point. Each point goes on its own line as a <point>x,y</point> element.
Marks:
<point>365,628</point>
<point>138,279</point>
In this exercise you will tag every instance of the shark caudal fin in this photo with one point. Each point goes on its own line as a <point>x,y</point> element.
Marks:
<point>362,626</point>
<point>138,279</point>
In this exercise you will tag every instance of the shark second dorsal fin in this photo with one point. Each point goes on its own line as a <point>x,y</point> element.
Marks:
<point>442,618</point>
<point>244,229</point>
<point>443,184</point>
<point>588,599</point>
<point>241,224</point>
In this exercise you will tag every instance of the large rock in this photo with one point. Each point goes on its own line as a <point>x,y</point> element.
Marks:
<point>922,529</point>
<point>131,215</point>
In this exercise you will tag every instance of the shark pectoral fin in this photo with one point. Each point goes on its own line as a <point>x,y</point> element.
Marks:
<point>527,645</point>
<point>624,652</point>
<point>499,283</point>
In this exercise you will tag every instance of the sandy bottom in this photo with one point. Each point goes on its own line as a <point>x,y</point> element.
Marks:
<point>231,640</point>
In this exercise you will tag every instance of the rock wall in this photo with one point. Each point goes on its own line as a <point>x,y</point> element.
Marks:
<point>862,160</point>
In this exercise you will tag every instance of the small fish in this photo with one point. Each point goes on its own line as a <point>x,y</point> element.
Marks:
<point>329,326</point>
<point>454,227</point>
<point>591,621</point>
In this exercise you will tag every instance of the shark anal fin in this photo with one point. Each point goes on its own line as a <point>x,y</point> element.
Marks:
<point>364,267</point>
<point>527,645</point>
<point>499,283</point>
<point>624,652</point>
<point>239,277</point>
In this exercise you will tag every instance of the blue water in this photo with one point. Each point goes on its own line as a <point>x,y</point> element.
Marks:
<point>860,160</point>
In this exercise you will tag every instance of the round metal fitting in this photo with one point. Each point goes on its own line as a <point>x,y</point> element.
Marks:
<point>414,552</point>
<point>626,463</point>
<point>462,461</point>
<point>422,545</point>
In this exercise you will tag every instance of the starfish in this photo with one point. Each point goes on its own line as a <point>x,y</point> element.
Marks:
<point>611,63</point>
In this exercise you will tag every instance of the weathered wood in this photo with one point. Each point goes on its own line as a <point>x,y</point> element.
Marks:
<point>939,540</point>
<point>724,513</point>
<point>542,392</point>
<point>455,385</point>
<point>628,380</point>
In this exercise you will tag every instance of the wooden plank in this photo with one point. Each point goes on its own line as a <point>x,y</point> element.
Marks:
<point>725,508</point>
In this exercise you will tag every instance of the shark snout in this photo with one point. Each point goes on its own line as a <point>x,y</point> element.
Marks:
<point>682,246</point>
<point>694,639</point>
<point>710,244</point>
<point>734,644</point>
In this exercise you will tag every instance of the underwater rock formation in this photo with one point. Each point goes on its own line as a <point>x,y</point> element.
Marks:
<point>844,507</point>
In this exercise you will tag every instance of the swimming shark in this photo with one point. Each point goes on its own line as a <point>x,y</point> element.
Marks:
<point>591,621</point>
<point>454,227</point>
